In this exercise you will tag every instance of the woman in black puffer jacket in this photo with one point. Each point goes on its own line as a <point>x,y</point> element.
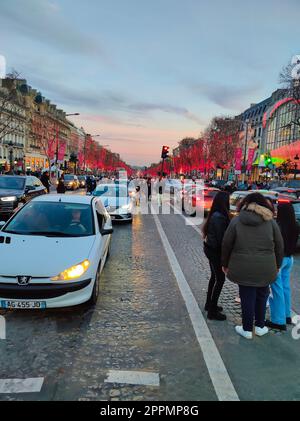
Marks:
<point>213,232</point>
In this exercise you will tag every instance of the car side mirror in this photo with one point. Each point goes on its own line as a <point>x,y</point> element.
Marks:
<point>106,231</point>
<point>29,188</point>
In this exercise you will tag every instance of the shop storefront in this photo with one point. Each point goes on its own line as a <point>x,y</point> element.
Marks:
<point>36,162</point>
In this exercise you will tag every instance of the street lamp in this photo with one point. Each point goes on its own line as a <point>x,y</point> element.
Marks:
<point>57,140</point>
<point>84,147</point>
<point>11,158</point>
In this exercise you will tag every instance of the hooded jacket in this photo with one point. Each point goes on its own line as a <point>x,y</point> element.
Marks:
<point>253,248</point>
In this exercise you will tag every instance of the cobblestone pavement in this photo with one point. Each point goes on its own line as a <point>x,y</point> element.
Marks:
<point>140,323</point>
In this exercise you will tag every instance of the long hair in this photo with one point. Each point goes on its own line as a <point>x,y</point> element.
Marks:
<point>220,204</point>
<point>257,198</point>
<point>286,220</point>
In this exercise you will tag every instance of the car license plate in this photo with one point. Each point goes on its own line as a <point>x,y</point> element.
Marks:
<point>35,305</point>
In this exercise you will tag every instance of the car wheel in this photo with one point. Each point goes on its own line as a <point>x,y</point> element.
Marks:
<point>95,292</point>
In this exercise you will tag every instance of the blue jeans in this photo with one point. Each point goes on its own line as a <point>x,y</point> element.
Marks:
<point>280,303</point>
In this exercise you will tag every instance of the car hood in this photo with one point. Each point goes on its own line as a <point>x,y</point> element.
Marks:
<point>42,256</point>
<point>10,192</point>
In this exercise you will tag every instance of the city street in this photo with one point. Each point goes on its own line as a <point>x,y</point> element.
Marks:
<point>147,322</point>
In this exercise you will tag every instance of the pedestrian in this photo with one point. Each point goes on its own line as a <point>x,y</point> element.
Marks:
<point>46,180</point>
<point>89,184</point>
<point>137,196</point>
<point>280,300</point>
<point>213,232</point>
<point>252,254</point>
<point>149,188</point>
<point>161,186</point>
<point>61,186</point>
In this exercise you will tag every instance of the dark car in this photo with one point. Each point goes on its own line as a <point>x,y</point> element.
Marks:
<point>82,181</point>
<point>71,182</point>
<point>274,196</point>
<point>17,190</point>
<point>289,191</point>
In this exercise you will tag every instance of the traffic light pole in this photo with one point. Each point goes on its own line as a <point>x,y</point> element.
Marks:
<point>162,167</point>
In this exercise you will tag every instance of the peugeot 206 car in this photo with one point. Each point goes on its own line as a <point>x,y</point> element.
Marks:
<point>115,198</point>
<point>52,252</point>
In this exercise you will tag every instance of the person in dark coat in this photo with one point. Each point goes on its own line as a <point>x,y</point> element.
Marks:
<point>252,254</point>
<point>61,186</point>
<point>213,232</point>
<point>149,189</point>
<point>45,179</point>
<point>280,301</point>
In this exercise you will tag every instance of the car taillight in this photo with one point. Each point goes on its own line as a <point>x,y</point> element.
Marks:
<point>284,201</point>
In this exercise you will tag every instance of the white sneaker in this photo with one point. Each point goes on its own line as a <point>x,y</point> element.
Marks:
<point>244,333</point>
<point>261,331</point>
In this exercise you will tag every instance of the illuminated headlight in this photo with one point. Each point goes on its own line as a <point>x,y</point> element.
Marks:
<point>124,209</point>
<point>8,199</point>
<point>73,272</point>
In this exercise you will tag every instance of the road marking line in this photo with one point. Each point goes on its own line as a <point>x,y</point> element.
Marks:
<point>223,386</point>
<point>133,377</point>
<point>29,385</point>
<point>188,222</point>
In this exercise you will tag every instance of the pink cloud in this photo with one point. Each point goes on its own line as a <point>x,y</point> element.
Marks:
<point>137,144</point>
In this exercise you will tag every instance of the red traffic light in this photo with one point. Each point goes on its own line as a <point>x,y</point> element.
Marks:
<point>165,152</point>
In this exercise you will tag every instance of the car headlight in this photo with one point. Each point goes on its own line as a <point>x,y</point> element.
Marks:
<point>124,209</point>
<point>8,199</point>
<point>73,272</point>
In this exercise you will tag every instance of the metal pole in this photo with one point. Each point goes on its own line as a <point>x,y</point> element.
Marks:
<point>245,153</point>
<point>162,167</point>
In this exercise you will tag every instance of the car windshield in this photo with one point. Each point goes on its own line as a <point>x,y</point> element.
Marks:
<point>53,219</point>
<point>111,191</point>
<point>12,183</point>
<point>69,177</point>
<point>81,177</point>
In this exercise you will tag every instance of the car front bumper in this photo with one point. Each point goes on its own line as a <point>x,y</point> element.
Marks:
<point>116,217</point>
<point>54,295</point>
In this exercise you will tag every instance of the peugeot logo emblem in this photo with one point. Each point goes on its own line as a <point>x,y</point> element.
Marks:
<point>24,280</point>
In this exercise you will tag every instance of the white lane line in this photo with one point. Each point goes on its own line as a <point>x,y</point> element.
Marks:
<point>223,386</point>
<point>188,222</point>
<point>29,385</point>
<point>133,377</point>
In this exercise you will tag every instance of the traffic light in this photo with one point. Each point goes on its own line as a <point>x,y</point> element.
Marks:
<point>165,152</point>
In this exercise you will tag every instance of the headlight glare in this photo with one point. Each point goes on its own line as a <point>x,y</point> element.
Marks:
<point>73,272</point>
<point>8,199</point>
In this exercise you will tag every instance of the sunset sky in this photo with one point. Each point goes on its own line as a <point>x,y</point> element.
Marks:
<point>146,73</point>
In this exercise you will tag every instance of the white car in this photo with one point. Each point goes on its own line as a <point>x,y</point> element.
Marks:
<point>52,252</point>
<point>115,198</point>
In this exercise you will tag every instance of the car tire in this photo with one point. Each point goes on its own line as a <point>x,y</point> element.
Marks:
<point>95,293</point>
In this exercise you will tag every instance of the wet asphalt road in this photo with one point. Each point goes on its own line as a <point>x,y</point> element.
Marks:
<point>141,323</point>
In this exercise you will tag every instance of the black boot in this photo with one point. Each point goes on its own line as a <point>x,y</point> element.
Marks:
<point>207,305</point>
<point>275,326</point>
<point>216,315</point>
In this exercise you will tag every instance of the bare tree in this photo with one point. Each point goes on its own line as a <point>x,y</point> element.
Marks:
<point>11,103</point>
<point>291,83</point>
